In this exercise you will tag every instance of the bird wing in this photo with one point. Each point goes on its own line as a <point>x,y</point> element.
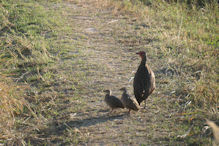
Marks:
<point>149,85</point>
<point>151,80</point>
<point>142,83</point>
<point>138,84</point>
<point>116,102</point>
<point>132,103</point>
<point>135,103</point>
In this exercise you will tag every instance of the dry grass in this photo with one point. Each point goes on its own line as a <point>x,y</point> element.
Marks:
<point>12,103</point>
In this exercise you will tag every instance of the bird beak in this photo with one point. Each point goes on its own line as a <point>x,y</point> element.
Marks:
<point>138,53</point>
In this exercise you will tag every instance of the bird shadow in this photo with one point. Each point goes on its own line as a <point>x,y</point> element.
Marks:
<point>57,128</point>
<point>94,120</point>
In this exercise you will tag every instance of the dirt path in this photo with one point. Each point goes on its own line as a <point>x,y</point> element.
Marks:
<point>104,46</point>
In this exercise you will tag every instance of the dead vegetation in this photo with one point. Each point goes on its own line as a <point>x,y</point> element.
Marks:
<point>12,104</point>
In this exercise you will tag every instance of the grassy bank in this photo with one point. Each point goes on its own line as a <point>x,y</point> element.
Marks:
<point>25,31</point>
<point>25,58</point>
<point>190,34</point>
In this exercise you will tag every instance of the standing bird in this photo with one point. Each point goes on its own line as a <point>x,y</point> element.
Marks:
<point>128,102</point>
<point>144,80</point>
<point>112,101</point>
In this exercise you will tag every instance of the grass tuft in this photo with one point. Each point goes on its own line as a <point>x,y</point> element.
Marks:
<point>12,104</point>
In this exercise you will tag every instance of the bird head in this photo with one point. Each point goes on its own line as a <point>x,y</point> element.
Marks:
<point>142,54</point>
<point>106,91</point>
<point>123,89</point>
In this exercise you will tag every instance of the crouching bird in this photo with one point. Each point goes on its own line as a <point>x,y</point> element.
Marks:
<point>112,101</point>
<point>144,80</point>
<point>129,102</point>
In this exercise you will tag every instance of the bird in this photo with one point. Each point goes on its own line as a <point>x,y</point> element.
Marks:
<point>215,130</point>
<point>129,102</point>
<point>112,101</point>
<point>144,80</point>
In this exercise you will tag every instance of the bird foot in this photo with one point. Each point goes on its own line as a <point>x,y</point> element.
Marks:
<point>128,113</point>
<point>143,107</point>
<point>109,113</point>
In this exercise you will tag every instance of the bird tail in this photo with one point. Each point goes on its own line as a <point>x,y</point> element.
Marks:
<point>139,98</point>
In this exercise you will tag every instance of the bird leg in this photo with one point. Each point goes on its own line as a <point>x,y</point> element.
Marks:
<point>145,96</point>
<point>129,112</point>
<point>144,104</point>
<point>111,111</point>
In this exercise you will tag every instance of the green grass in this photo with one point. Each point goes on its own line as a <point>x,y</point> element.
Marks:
<point>25,57</point>
<point>25,29</point>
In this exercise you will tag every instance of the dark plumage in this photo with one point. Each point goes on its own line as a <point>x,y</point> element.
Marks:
<point>144,80</point>
<point>128,102</point>
<point>112,101</point>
